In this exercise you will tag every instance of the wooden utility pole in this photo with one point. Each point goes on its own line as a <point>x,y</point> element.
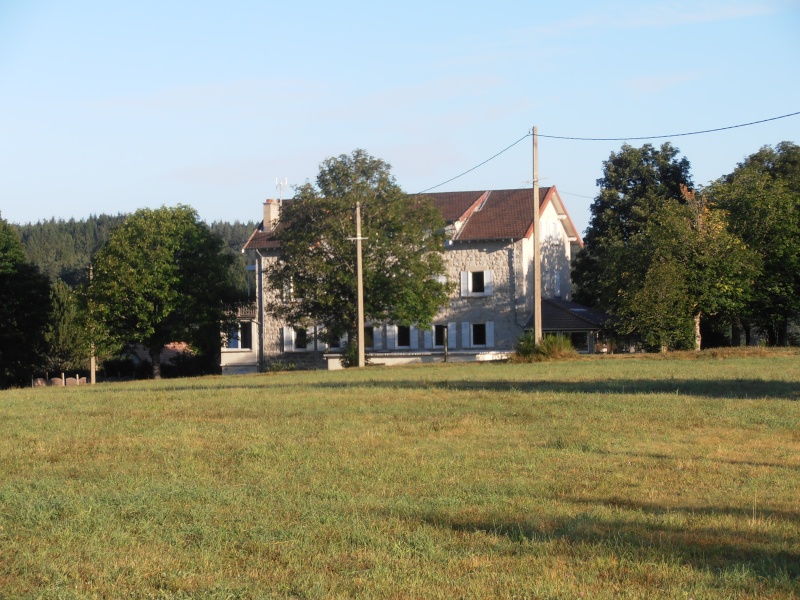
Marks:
<point>92,358</point>
<point>360,276</point>
<point>537,254</point>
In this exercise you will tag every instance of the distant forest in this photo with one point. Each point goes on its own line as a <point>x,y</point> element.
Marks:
<point>64,249</point>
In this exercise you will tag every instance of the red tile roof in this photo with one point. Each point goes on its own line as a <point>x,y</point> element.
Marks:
<point>262,241</point>
<point>485,215</point>
<point>501,214</point>
<point>455,205</point>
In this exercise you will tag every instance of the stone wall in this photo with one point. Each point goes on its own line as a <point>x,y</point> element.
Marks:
<point>506,306</point>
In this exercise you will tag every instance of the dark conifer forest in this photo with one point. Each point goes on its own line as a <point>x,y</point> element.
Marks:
<point>63,250</point>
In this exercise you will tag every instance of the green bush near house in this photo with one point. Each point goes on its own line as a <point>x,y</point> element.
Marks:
<point>551,347</point>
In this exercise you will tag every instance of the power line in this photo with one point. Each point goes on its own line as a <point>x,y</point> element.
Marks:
<point>576,195</point>
<point>615,139</point>
<point>658,137</point>
<point>476,166</point>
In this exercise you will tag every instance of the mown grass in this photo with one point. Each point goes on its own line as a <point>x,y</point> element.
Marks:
<point>595,478</point>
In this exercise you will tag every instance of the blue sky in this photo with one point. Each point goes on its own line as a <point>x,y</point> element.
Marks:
<point>106,107</point>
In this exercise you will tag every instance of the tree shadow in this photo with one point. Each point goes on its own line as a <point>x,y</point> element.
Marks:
<point>743,389</point>
<point>735,463</point>
<point>713,511</point>
<point>707,548</point>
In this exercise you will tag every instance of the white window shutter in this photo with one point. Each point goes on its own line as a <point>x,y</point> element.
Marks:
<point>466,335</point>
<point>488,282</point>
<point>376,338</point>
<point>465,283</point>
<point>288,339</point>
<point>451,336</point>
<point>414,335</point>
<point>490,334</point>
<point>391,336</point>
<point>427,338</point>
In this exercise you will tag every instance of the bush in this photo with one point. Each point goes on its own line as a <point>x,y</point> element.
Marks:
<point>551,347</point>
<point>278,366</point>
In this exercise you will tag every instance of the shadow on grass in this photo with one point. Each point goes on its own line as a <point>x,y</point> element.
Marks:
<point>735,463</point>
<point>652,508</point>
<point>710,388</point>
<point>704,548</point>
<point>737,389</point>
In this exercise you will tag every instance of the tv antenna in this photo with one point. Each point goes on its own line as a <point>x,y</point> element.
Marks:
<point>280,183</point>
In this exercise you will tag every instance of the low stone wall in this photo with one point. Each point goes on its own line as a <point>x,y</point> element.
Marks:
<point>58,381</point>
<point>410,358</point>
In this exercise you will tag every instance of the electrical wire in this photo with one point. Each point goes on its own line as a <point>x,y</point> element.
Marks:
<point>617,139</point>
<point>476,166</point>
<point>658,137</point>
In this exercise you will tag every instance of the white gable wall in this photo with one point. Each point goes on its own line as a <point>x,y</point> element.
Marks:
<point>555,251</point>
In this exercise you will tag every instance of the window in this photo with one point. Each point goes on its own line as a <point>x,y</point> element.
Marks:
<point>232,341</point>
<point>403,336</point>
<point>477,283</point>
<point>477,335</point>
<point>439,335</point>
<point>399,336</point>
<point>246,335</point>
<point>240,337</point>
<point>369,337</point>
<point>297,340</point>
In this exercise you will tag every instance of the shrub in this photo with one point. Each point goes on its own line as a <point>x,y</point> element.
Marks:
<point>551,347</point>
<point>278,366</point>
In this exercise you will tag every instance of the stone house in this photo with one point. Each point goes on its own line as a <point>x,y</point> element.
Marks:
<point>489,256</point>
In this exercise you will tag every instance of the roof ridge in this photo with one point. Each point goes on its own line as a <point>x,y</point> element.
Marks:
<point>483,202</point>
<point>485,194</point>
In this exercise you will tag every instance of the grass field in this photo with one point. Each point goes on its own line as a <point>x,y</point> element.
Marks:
<point>595,478</point>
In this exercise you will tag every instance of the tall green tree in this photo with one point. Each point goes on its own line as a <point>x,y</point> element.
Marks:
<point>660,308</point>
<point>67,333</point>
<point>402,252</point>
<point>611,268</point>
<point>762,197</point>
<point>24,311</point>
<point>658,257</point>
<point>697,267</point>
<point>163,277</point>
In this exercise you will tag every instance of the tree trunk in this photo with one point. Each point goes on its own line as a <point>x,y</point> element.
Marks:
<point>736,334</point>
<point>697,338</point>
<point>772,334</point>
<point>155,359</point>
<point>783,333</point>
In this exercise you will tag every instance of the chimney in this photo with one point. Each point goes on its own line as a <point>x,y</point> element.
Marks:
<point>272,211</point>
